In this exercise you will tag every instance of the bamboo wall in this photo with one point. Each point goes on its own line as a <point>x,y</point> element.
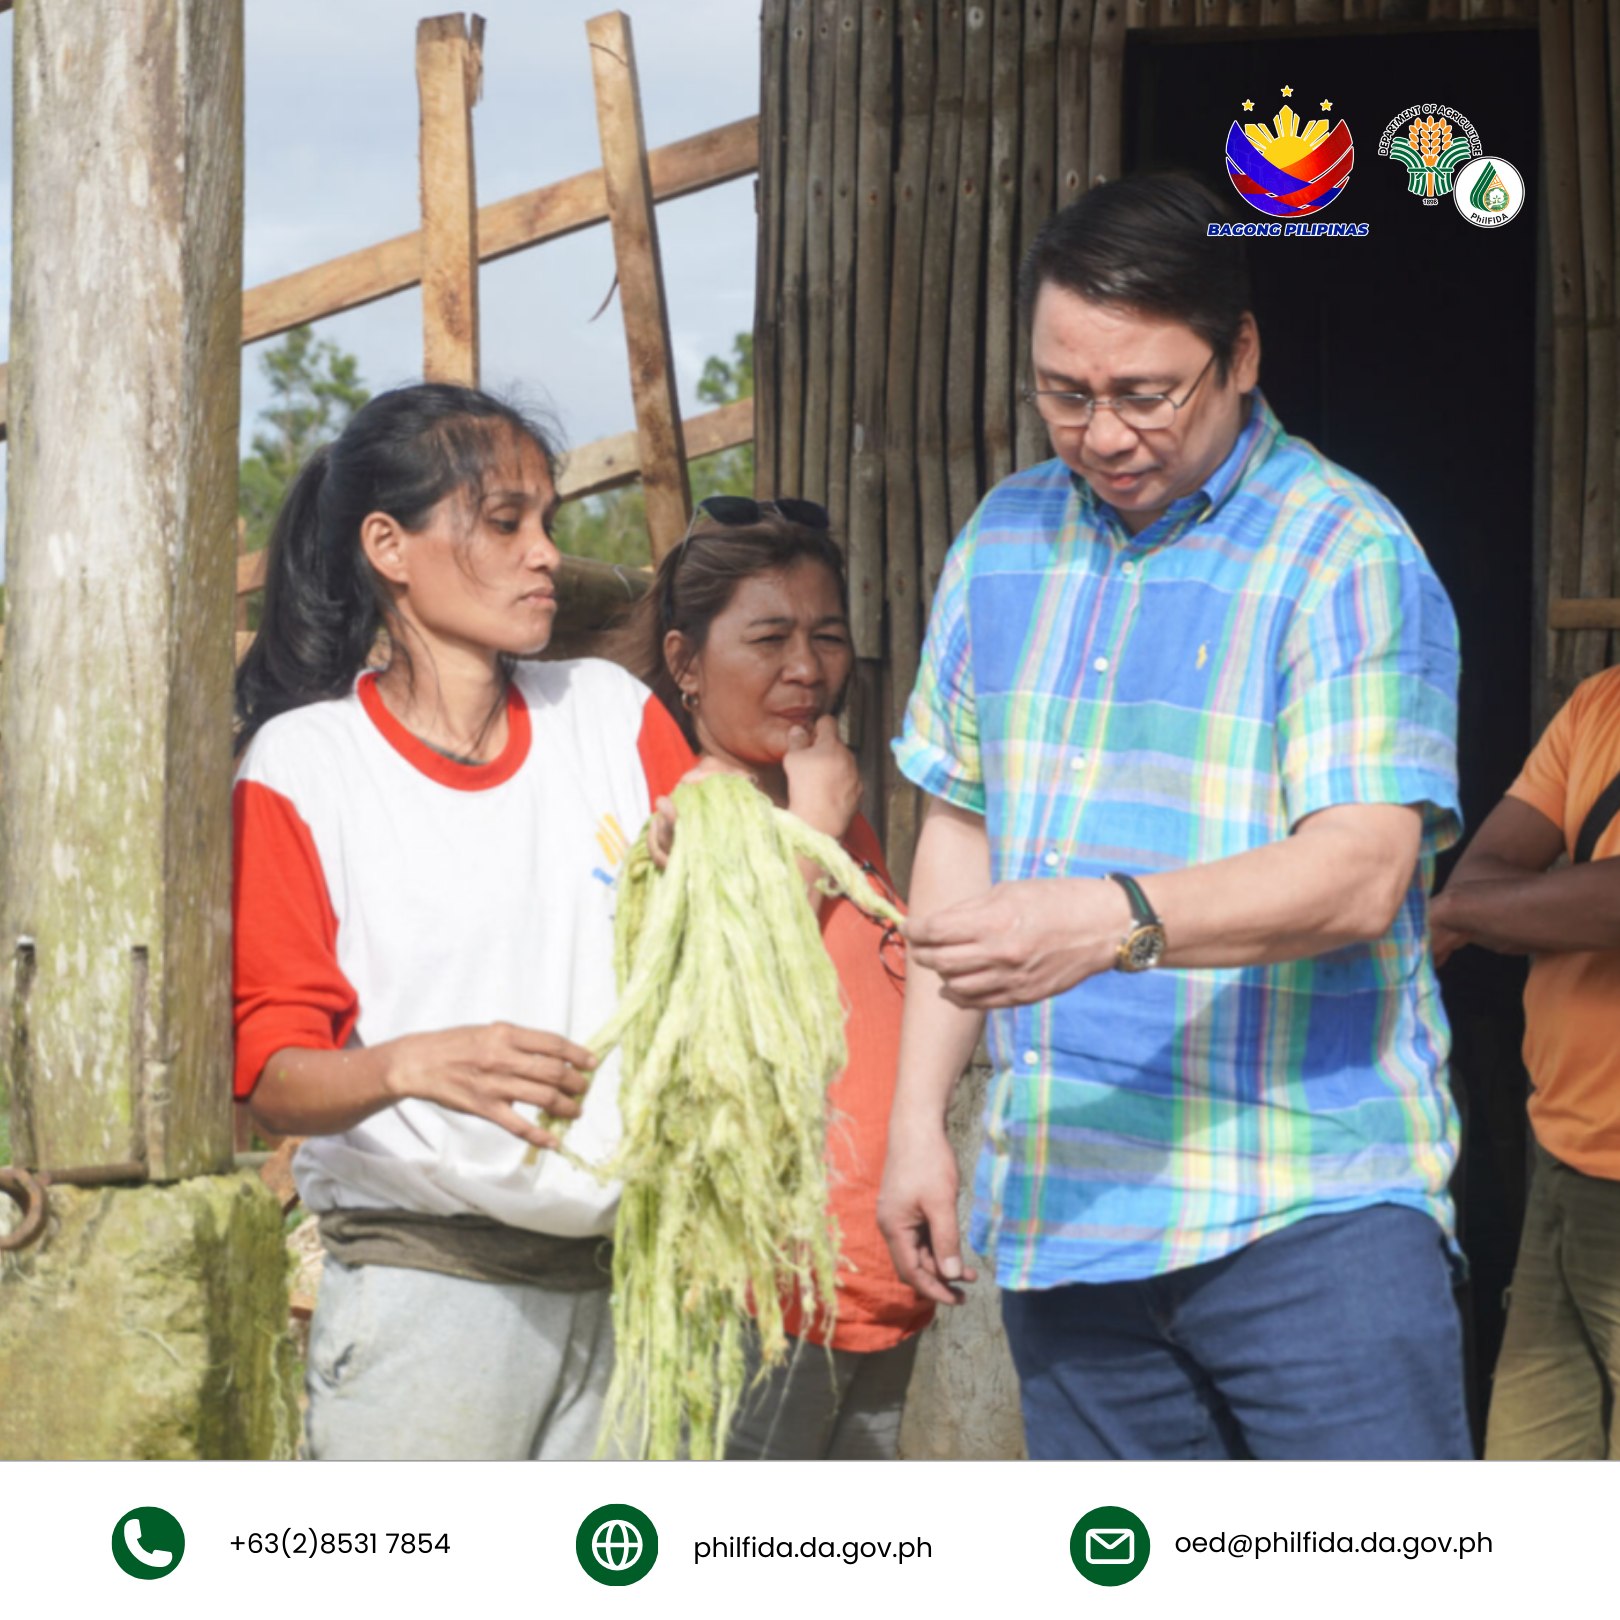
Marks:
<point>908,152</point>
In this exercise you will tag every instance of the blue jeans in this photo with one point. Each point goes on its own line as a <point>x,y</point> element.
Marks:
<point>1335,1337</point>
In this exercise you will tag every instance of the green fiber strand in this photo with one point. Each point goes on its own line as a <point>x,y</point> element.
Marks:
<point>731,1026</point>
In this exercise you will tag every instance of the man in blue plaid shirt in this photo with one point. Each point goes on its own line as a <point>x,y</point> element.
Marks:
<point>1187,717</point>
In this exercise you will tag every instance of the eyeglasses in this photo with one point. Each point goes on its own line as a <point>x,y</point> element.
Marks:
<point>737,512</point>
<point>1143,412</point>
<point>891,948</point>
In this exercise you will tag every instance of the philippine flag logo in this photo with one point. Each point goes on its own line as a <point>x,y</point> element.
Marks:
<point>1285,171</point>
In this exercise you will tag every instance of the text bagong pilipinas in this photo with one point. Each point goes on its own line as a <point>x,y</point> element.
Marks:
<point>1290,227</point>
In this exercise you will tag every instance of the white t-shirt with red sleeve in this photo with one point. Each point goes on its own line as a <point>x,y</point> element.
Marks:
<point>383,890</point>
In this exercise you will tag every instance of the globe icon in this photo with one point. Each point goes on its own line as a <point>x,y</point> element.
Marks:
<point>617,1544</point>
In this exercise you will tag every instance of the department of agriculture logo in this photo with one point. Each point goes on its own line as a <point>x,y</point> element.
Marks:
<point>1288,171</point>
<point>148,1543</point>
<point>1489,192</point>
<point>1431,143</point>
<point>616,1544</point>
<point>1109,1546</point>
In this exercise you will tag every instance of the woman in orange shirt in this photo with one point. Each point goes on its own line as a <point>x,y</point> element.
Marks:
<point>745,636</point>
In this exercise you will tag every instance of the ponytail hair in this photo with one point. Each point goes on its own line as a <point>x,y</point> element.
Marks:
<point>324,606</point>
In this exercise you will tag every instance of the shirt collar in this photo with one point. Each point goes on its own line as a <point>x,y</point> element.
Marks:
<point>1253,444</point>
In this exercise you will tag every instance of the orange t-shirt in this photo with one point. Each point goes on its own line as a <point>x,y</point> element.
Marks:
<point>875,1309</point>
<point>1572,999</point>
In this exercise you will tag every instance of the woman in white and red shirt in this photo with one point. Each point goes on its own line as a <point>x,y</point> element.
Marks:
<point>425,866</point>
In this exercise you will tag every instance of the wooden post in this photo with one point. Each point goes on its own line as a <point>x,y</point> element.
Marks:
<point>115,703</point>
<point>449,69</point>
<point>641,280</point>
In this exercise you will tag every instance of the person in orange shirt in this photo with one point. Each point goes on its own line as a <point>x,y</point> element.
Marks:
<point>1559,1370</point>
<point>745,636</point>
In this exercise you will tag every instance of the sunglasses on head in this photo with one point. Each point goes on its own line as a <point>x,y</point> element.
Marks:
<point>738,512</point>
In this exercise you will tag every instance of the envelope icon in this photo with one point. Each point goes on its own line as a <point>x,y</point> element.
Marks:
<point>1110,1546</point>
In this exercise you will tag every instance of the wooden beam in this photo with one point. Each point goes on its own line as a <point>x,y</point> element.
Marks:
<point>608,463</point>
<point>542,215</point>
<point>449,68</point>
<point>355,279</point>
<point>1584,613</point>
<point>115,893</point>
<point>641,280</point>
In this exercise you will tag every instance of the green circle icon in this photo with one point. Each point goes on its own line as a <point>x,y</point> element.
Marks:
<point>1109,1546</point>
<point>148,1543</point>
<point>616,1544</point>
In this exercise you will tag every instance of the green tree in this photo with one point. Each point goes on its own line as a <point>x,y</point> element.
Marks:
<point>315,388</point>
<point>613,527</point>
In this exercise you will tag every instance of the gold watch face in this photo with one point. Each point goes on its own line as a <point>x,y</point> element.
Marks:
<point>1141,949</point>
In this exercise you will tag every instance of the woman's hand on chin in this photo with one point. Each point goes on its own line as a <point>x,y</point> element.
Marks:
<point>824,782</point>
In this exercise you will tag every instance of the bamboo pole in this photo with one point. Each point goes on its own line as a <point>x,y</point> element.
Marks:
<point>944,159</point>
<point>818,253</point>
<point>1566,469</point>
<point>841,373</point>
<point>1037,192</point>
<point>1001,247</point>
<point>641,280</point>
<point>901,545</point>
<point>962,448</point>
<point>1584,613</point>
<point>1107,89</point>
<point>449,68</point>
<point>1073,100</point>
<point>795,191</point>
<point>769,383</point>
<point>1597,268</point>
<point>874,174</point>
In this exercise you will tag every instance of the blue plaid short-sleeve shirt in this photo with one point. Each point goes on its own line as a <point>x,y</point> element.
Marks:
<point>1274,644</point>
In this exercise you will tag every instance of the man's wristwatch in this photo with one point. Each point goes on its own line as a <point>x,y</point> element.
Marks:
<point>1144,946</point>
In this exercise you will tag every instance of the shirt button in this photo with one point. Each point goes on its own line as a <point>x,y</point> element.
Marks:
<point>1128,569</point>
<point>1051,857</point>
<point>1032,1058</point>
<point>1100,665</point>
<point>1077,762</point>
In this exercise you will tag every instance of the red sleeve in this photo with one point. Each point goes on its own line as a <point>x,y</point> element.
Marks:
<point>289,989</point>
<point>666,756</point>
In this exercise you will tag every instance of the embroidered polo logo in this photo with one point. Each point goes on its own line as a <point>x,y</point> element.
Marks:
<point>614,845</point>
<point>1203,653</point>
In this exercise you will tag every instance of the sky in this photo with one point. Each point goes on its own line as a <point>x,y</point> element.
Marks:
<point>331,165</point>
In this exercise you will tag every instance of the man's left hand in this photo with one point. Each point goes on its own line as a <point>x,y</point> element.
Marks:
<point>1022,942</point>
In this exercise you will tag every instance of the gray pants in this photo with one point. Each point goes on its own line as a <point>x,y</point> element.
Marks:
<point>849,1408</point>
<point>417,1365</point>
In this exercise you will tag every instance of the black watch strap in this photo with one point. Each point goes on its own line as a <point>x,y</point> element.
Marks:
<point>1144,914</point>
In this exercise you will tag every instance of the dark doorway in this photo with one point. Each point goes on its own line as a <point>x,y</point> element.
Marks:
<point>1408,355</point>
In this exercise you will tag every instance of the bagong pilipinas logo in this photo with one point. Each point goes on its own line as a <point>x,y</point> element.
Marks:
<point>1286,171</point>
<point>1431,142</point>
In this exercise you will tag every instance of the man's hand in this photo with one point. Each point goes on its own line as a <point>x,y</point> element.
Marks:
<point>1022,942</point>
<point>1445,942</point>
<point>916,1213</point>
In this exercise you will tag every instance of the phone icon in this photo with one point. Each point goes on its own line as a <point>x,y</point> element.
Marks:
<point>148,1543</point>
<point>161,1559</point>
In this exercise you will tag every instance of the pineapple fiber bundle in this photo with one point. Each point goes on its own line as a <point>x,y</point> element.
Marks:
<point>732,1028</point>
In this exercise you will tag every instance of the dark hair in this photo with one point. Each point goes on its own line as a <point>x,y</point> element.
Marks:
<point>694,585</point>
<point>1144,244</point>
<point>401,454</point>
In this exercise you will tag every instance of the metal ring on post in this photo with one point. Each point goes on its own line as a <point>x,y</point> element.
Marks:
<point>28,1193</point>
